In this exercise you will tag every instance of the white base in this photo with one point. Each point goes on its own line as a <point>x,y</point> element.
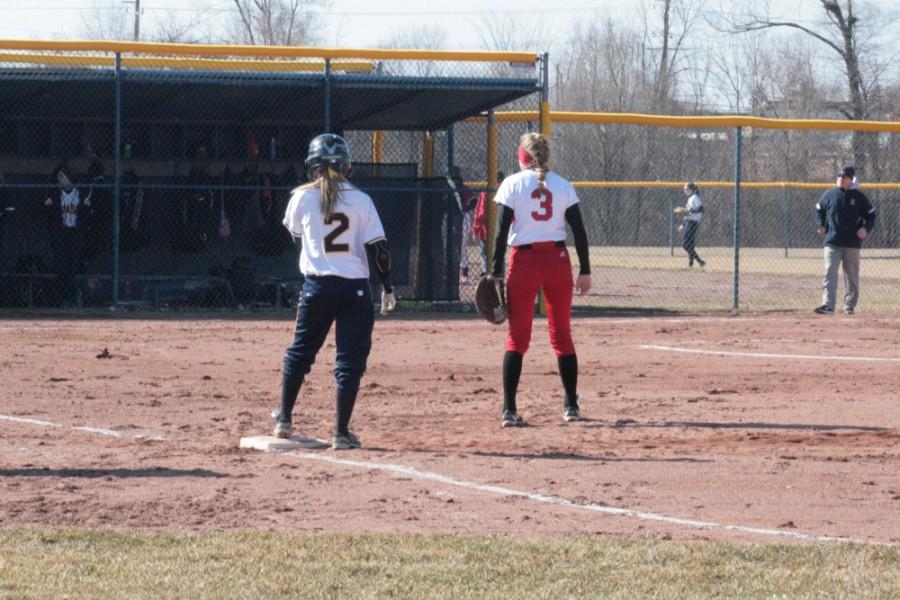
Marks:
<point>268,443</point>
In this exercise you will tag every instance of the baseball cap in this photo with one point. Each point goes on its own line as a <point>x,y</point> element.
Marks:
<point>848,172</point>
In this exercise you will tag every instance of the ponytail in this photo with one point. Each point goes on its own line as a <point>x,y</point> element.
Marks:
<point>538,147</point>
<point>330,184</point>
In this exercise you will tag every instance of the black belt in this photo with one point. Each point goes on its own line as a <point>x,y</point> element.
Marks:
<point>559,244</point>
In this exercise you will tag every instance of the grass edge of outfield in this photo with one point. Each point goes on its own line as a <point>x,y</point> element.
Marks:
<point>73,563</point>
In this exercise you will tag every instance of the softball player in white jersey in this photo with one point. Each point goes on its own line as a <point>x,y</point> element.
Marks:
<point>535,207</point>
<point>693,211</point>
<point>337,226</point>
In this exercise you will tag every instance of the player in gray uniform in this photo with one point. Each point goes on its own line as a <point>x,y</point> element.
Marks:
<point>338,229</point>
<point>692,211</point>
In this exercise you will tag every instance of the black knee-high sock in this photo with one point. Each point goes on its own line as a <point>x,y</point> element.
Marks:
<point>346,399</point>
<point>568,372</point>
<point>512,370</point>
<point>290,388</point>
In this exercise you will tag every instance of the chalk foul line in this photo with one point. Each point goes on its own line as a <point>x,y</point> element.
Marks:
<point>490,489</point>
<point>98,430</point>
<point>558,501</point>
<point>770,354</point>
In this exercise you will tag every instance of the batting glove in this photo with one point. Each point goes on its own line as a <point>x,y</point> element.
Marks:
<point>388,302</point>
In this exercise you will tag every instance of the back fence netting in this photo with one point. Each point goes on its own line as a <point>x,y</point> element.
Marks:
<point>210,149</point>
<point>629,179</point>
<point>638,260</point>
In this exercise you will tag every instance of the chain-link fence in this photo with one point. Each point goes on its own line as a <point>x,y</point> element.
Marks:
<point>629,177</point>
<point>141,178</point>
<point>149,179</point>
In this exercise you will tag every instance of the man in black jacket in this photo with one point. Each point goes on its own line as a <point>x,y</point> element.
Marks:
<point>844,218</point>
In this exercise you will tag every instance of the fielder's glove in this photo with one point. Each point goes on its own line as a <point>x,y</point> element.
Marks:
<point>388,302</point>
<point>490,299</point>
<point>680,210</point>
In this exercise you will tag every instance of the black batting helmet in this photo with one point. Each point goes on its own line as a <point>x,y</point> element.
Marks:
<point>331,150</point>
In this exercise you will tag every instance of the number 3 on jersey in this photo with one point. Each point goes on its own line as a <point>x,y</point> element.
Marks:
<point>545,205</point>
<point>343,225</point>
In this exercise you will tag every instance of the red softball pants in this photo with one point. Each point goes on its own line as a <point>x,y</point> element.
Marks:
<point>541,265</point>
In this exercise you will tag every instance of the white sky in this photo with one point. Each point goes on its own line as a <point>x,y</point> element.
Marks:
<point>350,23</point>
<point>535,25</point>
<point>368,23</point>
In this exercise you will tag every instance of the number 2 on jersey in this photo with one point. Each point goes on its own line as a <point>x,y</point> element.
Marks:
<point>343,225</point>
<point>546,204</point>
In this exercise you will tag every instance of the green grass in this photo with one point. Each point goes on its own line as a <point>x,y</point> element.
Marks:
<point>104,564</point>
<point>654,277</point>
<point>880,263</point>
<point>646,278</point>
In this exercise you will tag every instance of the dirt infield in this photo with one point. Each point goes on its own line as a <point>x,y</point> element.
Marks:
<point>134,424</point>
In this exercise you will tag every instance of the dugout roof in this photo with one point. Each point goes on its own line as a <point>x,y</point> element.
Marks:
<point>358,101</point>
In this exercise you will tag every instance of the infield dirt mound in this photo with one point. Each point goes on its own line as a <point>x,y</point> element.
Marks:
<point>798,445</point>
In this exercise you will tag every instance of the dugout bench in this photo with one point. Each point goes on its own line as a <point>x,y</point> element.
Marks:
<point>28,290</point>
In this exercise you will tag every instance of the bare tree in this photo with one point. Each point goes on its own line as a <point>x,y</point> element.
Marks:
<point>841,33</point>
<point>510,33</point>
<point>277,22</point>
<point>601,69</point>
<point>425,37</point>
<point>429,37</point>
<point>105,22</point>
<point>740,67</point>
<point>175,28</point>
<point>676,19</point>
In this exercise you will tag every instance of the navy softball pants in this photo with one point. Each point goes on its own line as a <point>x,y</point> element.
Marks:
<point>347,303</point>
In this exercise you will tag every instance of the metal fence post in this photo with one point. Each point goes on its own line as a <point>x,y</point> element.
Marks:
<point>327,94</point>
<point>671,224</point>
<point>545,96</point>
<point>450,150</point>
<point>737,220</point>
<point>784,201</point>
<point>544,114</point>
<point>492,185</point>
<point>117,191</point>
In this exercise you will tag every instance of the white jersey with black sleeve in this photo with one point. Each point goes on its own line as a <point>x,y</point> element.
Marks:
<point>539,212</point>
<point>335,246</point>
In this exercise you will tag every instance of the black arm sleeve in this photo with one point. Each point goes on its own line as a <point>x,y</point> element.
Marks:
<point>51,211</point>
<point>381,258</point>
<point>573,217</point>
<point>504,221</point>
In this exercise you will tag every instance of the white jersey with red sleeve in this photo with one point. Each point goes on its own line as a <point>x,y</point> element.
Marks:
<point>539,212</point>
<point>335,246</point>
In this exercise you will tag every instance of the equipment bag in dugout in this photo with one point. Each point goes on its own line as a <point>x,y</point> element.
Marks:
<point>490,299</point>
